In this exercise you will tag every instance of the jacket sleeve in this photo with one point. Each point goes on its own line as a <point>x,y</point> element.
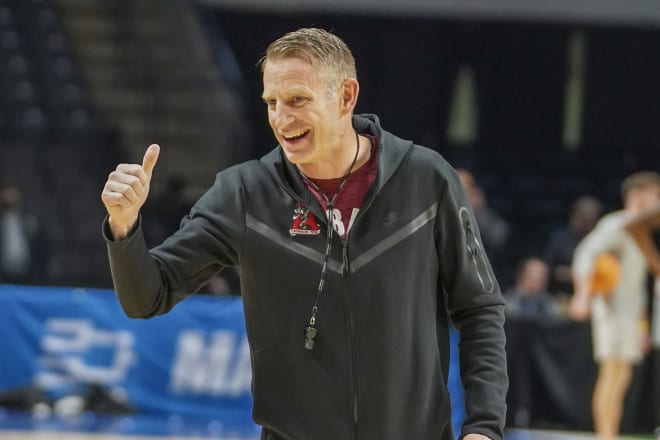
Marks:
<point>476,308</point>
<point>151,282</point>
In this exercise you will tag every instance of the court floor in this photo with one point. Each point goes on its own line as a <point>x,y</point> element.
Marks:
<point>17,425</point>
<point>24,426</point>
<point>53,435</point>
<point>39,435</point>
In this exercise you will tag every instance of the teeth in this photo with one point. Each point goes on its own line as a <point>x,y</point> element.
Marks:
<point>296,136</point>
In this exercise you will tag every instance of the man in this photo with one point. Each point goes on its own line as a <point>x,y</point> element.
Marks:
<point>527,302</point>
<point>354,248</point>
<point>641,228</point>
<point>618,338</point>
<point>23,249</point>
<point>529,296</point>
<point>585,212</point>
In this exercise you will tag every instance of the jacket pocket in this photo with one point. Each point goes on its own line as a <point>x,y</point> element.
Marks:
<point>476,252</point>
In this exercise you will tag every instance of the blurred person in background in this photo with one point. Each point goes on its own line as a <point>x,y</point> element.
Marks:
<point>584,213</point>
<point>23,248</point>
<point>528,302</point>
<point>620,319</point>
<point>641,227</point>
<point>494,229</point>
<point>529,296</point>
<point>355,249</point>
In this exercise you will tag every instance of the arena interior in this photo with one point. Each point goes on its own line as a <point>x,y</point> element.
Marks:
<point>542,103</point>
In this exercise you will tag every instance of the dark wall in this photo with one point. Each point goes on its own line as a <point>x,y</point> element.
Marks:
<point>623,106</point>
<point>407,69</point>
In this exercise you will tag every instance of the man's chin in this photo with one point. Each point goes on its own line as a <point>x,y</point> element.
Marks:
<point>296,156</point>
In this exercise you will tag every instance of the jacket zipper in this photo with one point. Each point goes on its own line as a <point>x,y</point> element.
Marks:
<point>346,270</point>
<point>347,298</point>
<point>351,321</point>
<point>351,337</point>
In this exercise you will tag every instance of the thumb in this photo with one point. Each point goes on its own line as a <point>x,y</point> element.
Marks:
<point>150,158</point>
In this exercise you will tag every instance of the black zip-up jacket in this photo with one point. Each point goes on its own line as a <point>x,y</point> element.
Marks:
<point>412,261</point>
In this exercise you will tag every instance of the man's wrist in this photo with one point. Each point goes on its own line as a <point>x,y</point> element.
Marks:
<point>120,231</point>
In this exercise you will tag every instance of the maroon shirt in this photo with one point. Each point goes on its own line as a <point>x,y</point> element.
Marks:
<point>352,195</point>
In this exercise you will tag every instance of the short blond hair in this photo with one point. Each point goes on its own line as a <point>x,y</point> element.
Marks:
<point>321,48</point>
<point>640,180</point>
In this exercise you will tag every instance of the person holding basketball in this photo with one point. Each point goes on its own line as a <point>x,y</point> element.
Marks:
<point>641,227</point>
<point>619,317</point>
<point>355,250</point>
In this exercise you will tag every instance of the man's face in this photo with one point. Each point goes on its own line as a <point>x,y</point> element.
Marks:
<point>649,196</point>
<point>304,111</point>
<point>535,276</point>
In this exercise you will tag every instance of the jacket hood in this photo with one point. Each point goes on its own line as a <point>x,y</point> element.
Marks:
<point>392,150</point>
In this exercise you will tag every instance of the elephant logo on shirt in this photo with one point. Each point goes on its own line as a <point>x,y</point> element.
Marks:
<point>304,222</point>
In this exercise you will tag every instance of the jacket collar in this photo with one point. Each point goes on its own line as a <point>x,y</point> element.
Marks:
<point>391,148</point>
<point>391,152</point>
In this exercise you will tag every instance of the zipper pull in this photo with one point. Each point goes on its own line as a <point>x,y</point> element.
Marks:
<point>344,252</point>
<point>471,241</point>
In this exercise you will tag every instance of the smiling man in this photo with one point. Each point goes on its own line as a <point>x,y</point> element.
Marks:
<point>355,249</point>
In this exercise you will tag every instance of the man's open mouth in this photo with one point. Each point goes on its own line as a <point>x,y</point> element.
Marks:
<point>296,136</point>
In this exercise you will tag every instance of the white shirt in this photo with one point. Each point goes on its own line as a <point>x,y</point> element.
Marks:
<point>629,297</point>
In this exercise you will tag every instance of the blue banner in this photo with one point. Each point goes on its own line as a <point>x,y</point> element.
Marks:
<point>194,362</point>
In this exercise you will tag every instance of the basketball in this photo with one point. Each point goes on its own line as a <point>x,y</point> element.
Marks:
<point>606,275</point>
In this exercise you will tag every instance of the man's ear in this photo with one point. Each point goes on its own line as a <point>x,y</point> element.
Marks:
<point>348,95</point>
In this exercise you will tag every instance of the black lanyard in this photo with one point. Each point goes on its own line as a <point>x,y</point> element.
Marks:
<point>310,330</point>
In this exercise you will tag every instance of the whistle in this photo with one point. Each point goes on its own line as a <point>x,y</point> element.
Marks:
<point>310,334</point>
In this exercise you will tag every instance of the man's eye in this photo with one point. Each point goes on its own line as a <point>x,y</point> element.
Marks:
<point>298,100</point>
<point>269,102</point>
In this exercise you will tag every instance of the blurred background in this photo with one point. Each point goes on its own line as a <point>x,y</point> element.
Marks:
<point>544,106</point>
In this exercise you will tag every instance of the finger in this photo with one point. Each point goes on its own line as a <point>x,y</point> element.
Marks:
<point>113,199</point>
<point>150,158</point>
<point>133,170</point>
<point>123,189</point>
<point>133,181</point>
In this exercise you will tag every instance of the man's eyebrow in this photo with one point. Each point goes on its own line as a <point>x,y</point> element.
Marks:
<point>297,89</point>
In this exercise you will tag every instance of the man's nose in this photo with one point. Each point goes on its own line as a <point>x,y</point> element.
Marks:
<point>281,115</point>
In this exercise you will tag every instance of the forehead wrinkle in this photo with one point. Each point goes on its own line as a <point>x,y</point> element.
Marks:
<point>277,78</point>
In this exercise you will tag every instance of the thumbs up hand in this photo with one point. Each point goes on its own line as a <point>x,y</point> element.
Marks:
<point>126,190</point>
